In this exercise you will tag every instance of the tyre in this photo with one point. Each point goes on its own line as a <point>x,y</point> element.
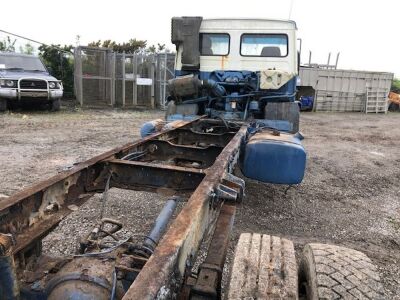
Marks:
<point>3,105</point>
<point>55,105</point>
<point>333,272</point>
<point>264,267</point>
<point>394,107</point>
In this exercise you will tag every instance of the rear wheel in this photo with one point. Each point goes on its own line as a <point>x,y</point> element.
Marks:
<point>264,267</point>
<point>55,105</point>
<point>3,105</point>
<point>333,272</point>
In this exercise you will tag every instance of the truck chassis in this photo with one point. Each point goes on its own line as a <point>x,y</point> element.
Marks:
<point>28,216</point>
<point>195,157</point>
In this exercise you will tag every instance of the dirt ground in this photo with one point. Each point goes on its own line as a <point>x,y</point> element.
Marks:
<point>350,194</point>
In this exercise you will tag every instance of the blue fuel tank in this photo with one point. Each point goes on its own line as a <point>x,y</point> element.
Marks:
<point>274,157</point>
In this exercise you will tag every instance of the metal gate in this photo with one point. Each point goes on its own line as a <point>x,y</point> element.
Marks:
<point>105,78</point>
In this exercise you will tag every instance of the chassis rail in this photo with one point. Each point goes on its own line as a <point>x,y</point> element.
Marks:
<point>182,160</point>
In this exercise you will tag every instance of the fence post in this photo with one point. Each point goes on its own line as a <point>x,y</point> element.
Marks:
<point>80,77</point>
<point>165,78</point>
<point>113,90</point>
<point>135,71</point>
<point>123,78</point>
<point>152,70</point>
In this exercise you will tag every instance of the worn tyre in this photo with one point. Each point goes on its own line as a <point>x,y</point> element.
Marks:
<point>55,105</point>
<point>333,272</point>
<point>3,105</point>
<point>264,267</point>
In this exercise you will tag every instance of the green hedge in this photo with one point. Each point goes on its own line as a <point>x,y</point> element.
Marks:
<point>60,60</point>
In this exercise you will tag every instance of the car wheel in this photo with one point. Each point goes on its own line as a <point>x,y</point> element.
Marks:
<point>55,105</point>
<point>3,105</point>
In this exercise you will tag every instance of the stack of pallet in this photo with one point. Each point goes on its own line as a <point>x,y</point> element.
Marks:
<point>376,101</point>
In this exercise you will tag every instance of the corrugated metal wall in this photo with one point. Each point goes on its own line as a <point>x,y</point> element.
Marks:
<point>346,90</point>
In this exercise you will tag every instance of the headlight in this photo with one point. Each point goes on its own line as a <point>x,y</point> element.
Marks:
<point>52,85</point>
<point>8,83</point>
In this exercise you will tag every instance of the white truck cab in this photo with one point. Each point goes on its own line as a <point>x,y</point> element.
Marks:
<point>246,45</point>
<point>232,68</point>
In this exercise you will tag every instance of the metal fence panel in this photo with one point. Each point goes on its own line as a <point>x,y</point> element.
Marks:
<point>165,65</point>
<point>105,78</point>
<point>94,74</point>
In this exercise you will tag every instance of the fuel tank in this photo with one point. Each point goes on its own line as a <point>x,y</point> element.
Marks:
<point>274,157</point>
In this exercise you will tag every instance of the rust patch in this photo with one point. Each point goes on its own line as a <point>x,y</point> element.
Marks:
<point>224,59</point>
<point>53,198</point>
<point>31,213</point>
<point>186,232</point>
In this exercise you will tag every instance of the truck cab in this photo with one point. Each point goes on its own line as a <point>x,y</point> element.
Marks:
<point>234,68</point>
<point>25,78</point>
<point>252,45</point>
<point>243,72</point>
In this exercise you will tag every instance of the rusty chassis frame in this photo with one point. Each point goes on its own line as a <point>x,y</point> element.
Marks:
<point>183,159</point>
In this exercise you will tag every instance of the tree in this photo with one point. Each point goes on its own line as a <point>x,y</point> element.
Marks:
<point>396,85</point>
<point>60,61</point>
<point>152,49</point>
<point>160,47</point>
<point>7,44</point>
<point>132,46</point>
<point>27,49</point>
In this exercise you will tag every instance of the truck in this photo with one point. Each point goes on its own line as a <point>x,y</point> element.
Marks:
<point>24,78</point>
<point>231,114</point>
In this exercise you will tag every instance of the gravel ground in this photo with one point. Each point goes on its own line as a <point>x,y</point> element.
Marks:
<point>349,196</point>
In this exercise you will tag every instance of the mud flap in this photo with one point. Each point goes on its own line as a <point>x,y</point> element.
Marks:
<point>285,111</point>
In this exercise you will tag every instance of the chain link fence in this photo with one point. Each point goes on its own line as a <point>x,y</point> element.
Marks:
<point>105,78</point>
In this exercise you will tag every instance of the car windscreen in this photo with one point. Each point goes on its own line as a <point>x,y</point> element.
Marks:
<point>264,45</point>
<point>27,63</point>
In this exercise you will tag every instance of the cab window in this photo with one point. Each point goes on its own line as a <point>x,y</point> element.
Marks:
<point>264,45</point>
<point>212,44</point>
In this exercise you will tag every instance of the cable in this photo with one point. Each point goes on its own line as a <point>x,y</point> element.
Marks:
<point>111,249</point>
<point>134,155</point>
<point>114,285</point>
<point>105,197</point>
<point>223,120</point>
<point>34,41</point>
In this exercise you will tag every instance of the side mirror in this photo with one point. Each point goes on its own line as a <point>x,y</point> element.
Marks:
<point>50,70</point>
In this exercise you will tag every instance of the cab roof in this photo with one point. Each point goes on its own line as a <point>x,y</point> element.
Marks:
<point>247,23</point>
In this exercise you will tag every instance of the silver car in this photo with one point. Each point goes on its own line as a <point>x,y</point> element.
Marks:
<point>24,78</point>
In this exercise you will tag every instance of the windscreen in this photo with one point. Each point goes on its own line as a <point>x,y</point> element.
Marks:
<point>214,44</point>
<point>264,45</point>
<point>27,63</point>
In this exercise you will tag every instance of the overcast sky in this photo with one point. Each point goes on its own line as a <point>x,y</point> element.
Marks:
<point>365,32</point>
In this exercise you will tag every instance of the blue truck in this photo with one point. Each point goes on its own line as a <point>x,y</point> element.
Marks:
<point>231,108</point>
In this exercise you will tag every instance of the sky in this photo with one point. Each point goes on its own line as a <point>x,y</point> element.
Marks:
<point>365,32</point>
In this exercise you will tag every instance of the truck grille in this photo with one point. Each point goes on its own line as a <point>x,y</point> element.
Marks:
<point>33,84</point>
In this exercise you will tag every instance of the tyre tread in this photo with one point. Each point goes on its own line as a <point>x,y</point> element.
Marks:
<point>340,273</point>
<point>264,267</point>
